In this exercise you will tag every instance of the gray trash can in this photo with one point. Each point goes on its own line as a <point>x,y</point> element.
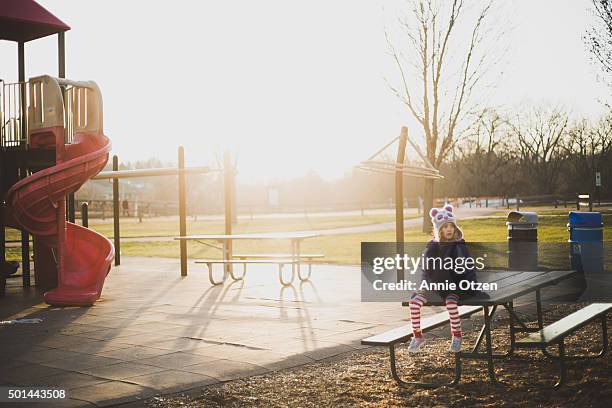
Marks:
<point>522,240</point>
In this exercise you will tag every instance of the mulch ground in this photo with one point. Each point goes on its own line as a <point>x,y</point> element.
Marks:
<point>363,379</point>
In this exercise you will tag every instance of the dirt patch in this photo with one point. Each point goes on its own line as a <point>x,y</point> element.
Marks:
<point>362,379</point>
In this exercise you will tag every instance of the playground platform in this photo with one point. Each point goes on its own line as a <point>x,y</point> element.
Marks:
<point>153,332</point>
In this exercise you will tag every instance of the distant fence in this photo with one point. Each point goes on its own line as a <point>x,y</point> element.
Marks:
<point>103,209</point>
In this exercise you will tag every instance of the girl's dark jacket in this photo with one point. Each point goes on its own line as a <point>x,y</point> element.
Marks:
<point>432,274</point>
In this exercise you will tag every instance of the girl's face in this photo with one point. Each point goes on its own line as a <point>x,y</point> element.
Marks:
<point>447,232</point>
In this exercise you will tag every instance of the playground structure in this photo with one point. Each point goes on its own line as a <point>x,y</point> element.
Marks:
<point>401,167</point>
<point>70,259</point>
<point>21,22</point>
<point>52,128</point>
<point>51,143</point>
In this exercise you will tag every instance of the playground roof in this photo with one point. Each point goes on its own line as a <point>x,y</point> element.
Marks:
<point>26,20</point>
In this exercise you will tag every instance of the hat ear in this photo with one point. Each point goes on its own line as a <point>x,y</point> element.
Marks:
<point>448,208</point>
<point>433,212</point>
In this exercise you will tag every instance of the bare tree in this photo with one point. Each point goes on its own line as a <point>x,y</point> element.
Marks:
<point>599,38</point>
<point>447,73</point>
<point>485,157</point>
<point>540,135</point>
<point>588,149</point>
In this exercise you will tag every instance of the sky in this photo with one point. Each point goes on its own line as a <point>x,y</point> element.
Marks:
<point>289,87</point>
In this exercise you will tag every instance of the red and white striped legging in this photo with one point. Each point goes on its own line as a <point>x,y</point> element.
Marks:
<point>417,301</point>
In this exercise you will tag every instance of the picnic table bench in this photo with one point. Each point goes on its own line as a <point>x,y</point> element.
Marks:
<point>404,333</point>
<point>280,262</point>
<point>308,257</point>
<point>556,333</point>
<point>511,285</point>
<point>229,259</point>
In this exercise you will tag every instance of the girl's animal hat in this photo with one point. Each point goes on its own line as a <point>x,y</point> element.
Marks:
<point>441,216</point>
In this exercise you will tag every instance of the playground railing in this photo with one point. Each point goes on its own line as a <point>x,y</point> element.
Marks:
<point>13,115</point>
<point>25,106</point>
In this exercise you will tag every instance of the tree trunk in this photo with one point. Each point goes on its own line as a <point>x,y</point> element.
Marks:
<point>428,196</point>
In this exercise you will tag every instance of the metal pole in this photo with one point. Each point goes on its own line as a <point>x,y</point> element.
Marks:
<point>399,197</point>
<point>2,231</point>
<point>85,214</point>
<point>61,55</point>
<point>71,208</point>
<point>25,237</point>
<point>116,232</point>
<point>61,73</point>
<point>182,209</point>
<point>2,238</point>
<point>25,253</point>
<point>227,181</point>
<point>577,202</point>
<point>234,195</point>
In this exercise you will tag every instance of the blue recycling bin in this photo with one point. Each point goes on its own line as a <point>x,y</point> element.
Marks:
<point>586,242</point>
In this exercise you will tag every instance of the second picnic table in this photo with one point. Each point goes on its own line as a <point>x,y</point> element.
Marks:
<point>229,259</point>
<point>512,285</point>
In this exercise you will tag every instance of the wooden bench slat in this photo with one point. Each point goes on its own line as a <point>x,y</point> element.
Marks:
<point>561,328</point>
<point>277,256</point>
<point>248,261</point>
<point>404,333</point>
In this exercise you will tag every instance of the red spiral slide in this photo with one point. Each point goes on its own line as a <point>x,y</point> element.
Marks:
<point>74,259</point>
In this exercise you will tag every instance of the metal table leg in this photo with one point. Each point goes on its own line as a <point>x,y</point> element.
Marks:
<point>227,256</point>
<point>510,308</point>
<point>561,364</point>
<point>244,270</point>
<point>539,309</point>
<point>489,345</point>
<point>210,275</point>
<point>295,257</point>
<point>475,354</point>
<point>280,275</point>
<point>482,332</point>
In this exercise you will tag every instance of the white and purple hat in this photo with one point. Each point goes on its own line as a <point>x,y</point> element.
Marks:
<point>441,216</point>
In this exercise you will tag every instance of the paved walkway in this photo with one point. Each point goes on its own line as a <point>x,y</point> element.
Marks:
<point>154,332</point>
<point>462,213</point>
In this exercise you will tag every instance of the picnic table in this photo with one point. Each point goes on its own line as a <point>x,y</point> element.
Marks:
<point>229,259</point>
<point>511,285</point>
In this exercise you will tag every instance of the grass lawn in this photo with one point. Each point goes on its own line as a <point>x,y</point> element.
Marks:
<point>346,248</point>
<point>130,227</point>
<point>340,249</point>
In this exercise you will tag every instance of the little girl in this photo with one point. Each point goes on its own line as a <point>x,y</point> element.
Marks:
<point>448,242</point>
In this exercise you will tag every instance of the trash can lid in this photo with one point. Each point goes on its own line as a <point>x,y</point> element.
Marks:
<point>585,219</point>
<point>522,217</point>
